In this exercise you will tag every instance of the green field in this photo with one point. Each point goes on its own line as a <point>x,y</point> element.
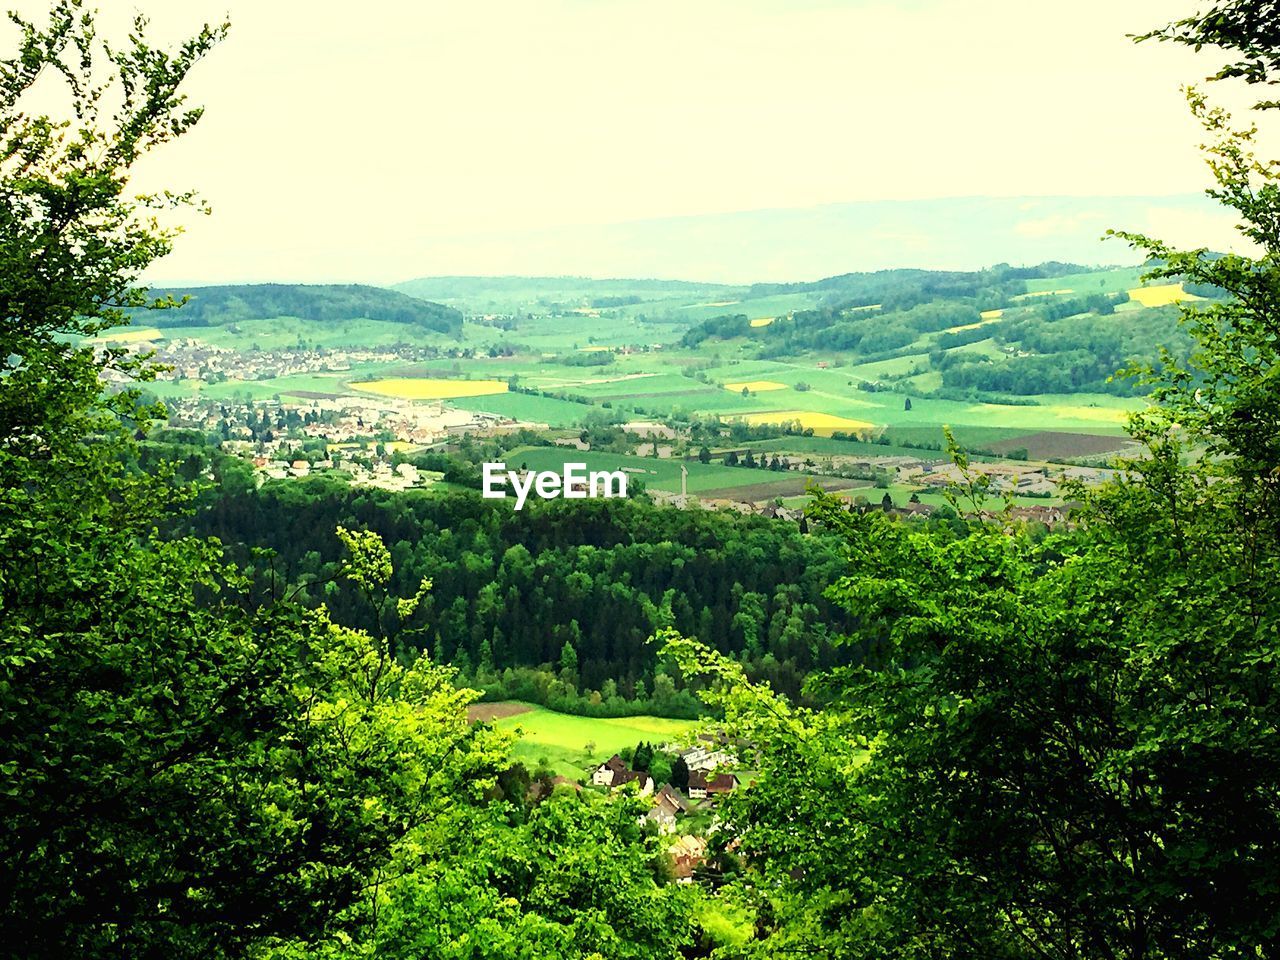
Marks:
<point>704,478</point>
<point>562,740</point>
<point>522,406</point>
<point>1082,284</point>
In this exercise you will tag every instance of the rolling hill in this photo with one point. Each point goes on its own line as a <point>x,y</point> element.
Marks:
<point>221,305</point>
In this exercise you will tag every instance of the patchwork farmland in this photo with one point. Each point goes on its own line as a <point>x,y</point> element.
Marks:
<point>795,377</point>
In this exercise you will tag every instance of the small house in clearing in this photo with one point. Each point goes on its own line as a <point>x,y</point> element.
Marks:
<point>668,803</point>
<point>614,773</point>
<point>687,853</point>
<point>702,786</point>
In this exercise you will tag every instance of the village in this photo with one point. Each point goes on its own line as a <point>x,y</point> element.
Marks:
<point>686,812</point>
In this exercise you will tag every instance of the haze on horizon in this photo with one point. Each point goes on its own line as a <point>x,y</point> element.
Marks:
<point>402,141</point>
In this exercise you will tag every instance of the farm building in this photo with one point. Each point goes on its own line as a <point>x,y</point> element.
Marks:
<point>701,786</point>
<point>614,773</point>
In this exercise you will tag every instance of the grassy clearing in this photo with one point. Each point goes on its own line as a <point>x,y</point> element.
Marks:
<point>1099,281</point>
<point>430,388</point>
<point>653,473</point>
<point>303,383</point>
<point>523,406</point>
<point>573,745</point>
<point>282,333</point>
<point>895,367</point>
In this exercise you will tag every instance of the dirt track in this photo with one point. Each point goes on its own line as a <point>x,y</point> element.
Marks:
<point>495,711</point>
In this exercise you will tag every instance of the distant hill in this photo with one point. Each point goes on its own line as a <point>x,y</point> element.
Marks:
<point>918,286</point>
<point>215,306</point>
<point>478,291</point>
<point>965,233</point>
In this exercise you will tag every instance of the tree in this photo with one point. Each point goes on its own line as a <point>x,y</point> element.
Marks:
<point>704,454</point>
<point>568,663</point>
<point>906,404</point>
<point>1247,28</point>
<point>642,756</point>
<point>680,774</point>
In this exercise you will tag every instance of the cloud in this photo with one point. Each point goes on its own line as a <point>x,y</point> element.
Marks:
<point>1060,225</point>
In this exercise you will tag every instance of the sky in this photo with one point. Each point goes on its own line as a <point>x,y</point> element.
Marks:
<point>355,142</point>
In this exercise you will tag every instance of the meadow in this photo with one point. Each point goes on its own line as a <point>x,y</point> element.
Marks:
<point>705,479</point>
<point>573,745</point>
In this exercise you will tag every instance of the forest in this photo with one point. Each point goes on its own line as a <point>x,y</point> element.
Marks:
<point>1007,743</point>
<point>510,589</point>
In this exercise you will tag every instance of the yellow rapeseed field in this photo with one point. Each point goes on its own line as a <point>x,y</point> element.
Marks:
<point>756,386</point>
<point>430,388</point>
<point>988,316</point>
<point>762,321</point>
<point>823,424</point>
<point>1161,295</point>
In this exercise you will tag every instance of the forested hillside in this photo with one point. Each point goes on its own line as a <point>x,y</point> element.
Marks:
<point>209,306</point>
<point>978,334</point>
<point>512,589</point>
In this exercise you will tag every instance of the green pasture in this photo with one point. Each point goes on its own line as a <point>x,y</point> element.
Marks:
<point>656,475</point>
<point>522,406</point>
<point>574,745</point>
<point>1082,284</point>
<point>653,382</point>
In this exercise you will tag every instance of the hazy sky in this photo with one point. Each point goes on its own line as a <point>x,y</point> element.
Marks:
<point>342,140</point>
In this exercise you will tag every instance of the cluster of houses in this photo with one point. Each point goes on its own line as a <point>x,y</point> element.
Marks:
<point>707,780</point>
<point>379,474</point>
<point>190,358</point>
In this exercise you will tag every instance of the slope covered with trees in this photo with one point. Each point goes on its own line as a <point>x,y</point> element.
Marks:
<point>511,589</point>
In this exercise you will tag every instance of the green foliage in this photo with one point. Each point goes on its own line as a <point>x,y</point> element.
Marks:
<point>595,575</point>
<point>579,879</point>
<point>190,765</point>
<point>1249,29</point>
